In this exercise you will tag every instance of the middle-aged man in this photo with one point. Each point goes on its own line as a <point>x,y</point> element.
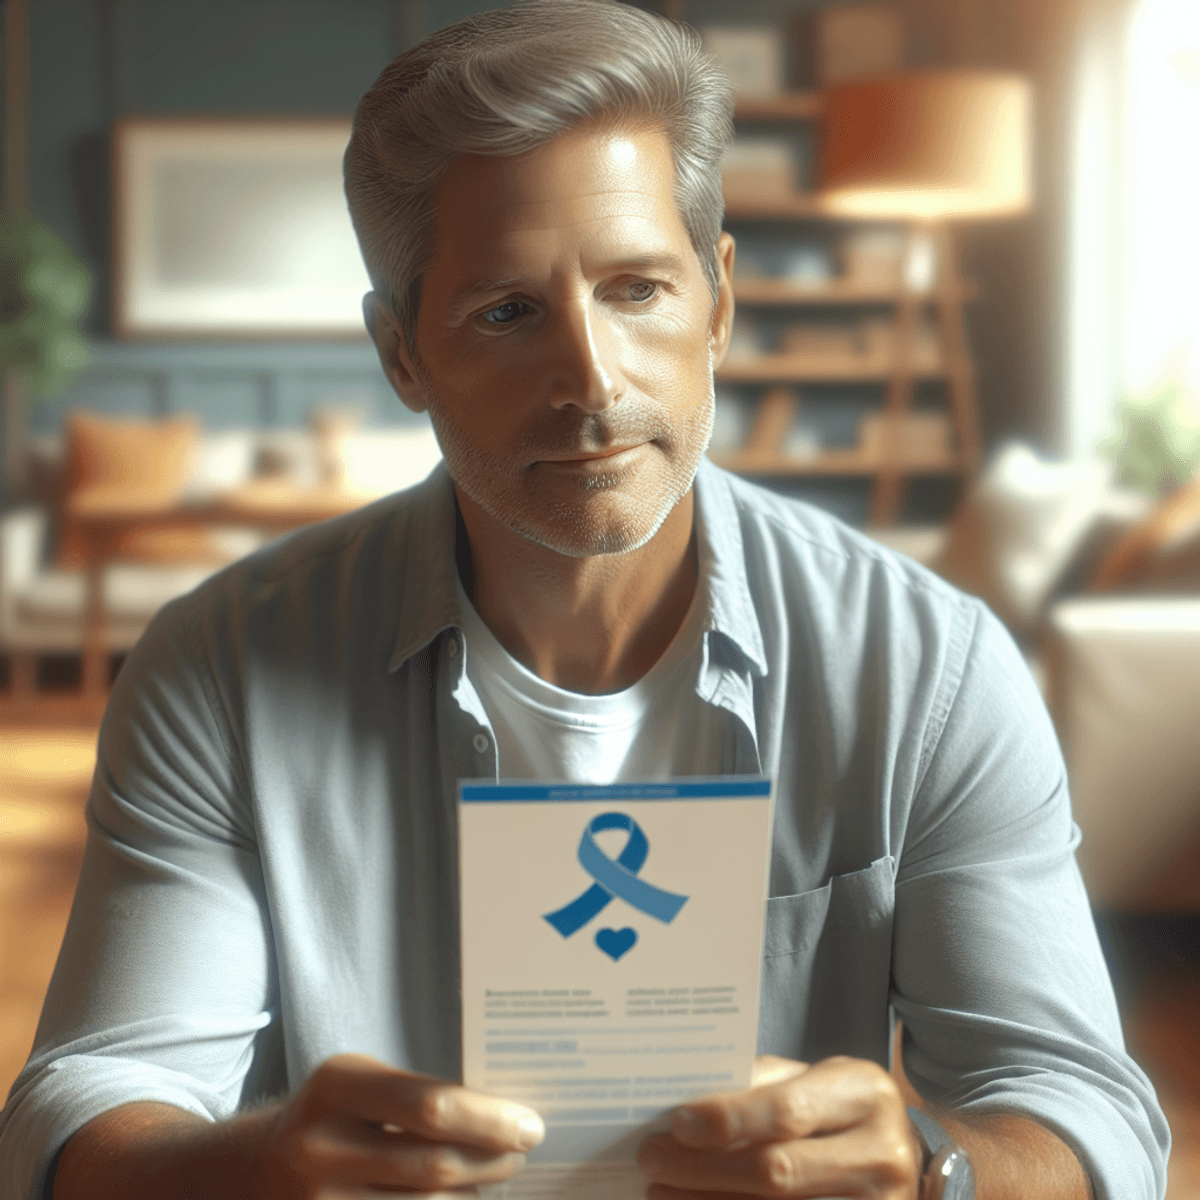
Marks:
<point>257,993</point>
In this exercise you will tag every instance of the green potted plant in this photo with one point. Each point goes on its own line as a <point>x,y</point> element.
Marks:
<point>1156,446</point>
<point>44,290</point>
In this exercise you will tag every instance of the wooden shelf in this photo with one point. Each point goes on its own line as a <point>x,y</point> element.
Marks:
<point>742,205</point>
<point>837,291</point>
<point>895,444</point>
<point>792,106</point>
<point>850,461</point>
<point>790,206</point>
<point>793,368</point>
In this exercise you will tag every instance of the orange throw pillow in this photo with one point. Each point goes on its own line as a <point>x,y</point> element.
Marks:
<point>1160,553</point>
<point>123,462</point>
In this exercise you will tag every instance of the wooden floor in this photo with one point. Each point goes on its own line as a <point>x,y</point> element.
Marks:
<point>44,777</point>
<point>45,769</point>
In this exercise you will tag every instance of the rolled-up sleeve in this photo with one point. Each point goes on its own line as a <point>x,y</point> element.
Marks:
<point>164,988</point>
<point>998,974</point>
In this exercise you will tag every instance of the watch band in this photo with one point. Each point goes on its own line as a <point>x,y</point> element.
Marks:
<point>946,1172</point>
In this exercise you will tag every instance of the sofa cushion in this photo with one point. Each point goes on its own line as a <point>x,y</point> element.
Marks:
<point>132,592</point>
<point>1159,554</point>
<point>1125,689</point>
<point>1018,530</point>
<point>135,463</point>
<point>221,461</point>
<point>922,543</point>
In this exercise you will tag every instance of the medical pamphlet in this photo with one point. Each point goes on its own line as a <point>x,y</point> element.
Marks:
<point>611,951</point>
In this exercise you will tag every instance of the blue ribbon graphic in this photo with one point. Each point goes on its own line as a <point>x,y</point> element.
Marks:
<point>614,878</point>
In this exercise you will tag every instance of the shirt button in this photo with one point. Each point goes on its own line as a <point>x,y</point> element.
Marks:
<point>480,743</point>
<point>452,647</point>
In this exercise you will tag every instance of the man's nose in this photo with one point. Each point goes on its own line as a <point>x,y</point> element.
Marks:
<point>586,373</point>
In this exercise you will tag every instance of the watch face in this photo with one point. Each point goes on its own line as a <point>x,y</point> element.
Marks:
<point>951,1176</point>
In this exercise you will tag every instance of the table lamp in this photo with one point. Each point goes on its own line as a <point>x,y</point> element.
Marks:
<point>927,149</point>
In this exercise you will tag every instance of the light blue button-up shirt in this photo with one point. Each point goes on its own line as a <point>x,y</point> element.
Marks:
<point>271,870</point>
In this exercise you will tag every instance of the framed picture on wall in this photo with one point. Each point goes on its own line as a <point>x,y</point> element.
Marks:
<point>233,228</point>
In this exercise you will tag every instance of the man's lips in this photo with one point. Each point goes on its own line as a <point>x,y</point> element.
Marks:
<point>586,456</point>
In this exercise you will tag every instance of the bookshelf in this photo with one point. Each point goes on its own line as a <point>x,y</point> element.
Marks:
<point>914,334</point>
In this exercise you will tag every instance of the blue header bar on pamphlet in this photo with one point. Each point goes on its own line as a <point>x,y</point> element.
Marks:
<point>725,788</point>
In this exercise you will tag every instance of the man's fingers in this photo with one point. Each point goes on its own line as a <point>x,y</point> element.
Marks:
<point>362,1156</point>
<point>837,1128</point>
<point>357,1193</point>
<point>770,1068</point>
<point>428,1167</point>
<point>849,1164</point>
<point>370,1193</point>
<point>661,1191</point>
<point>430,1108</point>
<point>830,1096</point>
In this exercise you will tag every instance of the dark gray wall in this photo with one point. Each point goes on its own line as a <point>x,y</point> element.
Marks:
<point>94,61</point>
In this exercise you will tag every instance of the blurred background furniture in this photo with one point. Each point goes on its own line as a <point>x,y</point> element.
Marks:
<point>43,607</point>
<point>1123,680</point>
<point>136,513</point>
<point>256,510</point>
<point>906,155</point>
<point>930,149</point>
<point>1100,585</point>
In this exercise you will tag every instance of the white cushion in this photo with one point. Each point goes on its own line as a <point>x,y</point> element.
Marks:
<point>382,461</point>
<point>1020,527</point>
<point>220,461</point>
<point>923,543</point>
<point>293,452</point>
<point>131,592</point>
<point>1125,680</point>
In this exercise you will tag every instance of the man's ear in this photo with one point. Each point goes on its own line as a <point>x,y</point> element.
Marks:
<point>394,357</point>
<point>722,321</point>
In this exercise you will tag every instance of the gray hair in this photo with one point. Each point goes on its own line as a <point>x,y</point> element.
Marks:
<point>513,79</point>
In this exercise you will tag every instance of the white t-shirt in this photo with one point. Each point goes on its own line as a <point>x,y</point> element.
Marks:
<point>653,730</point>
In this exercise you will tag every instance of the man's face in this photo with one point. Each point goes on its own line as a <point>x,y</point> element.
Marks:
<point>566,340</point>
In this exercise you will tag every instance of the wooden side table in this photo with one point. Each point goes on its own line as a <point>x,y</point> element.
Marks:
<point>269,506</point>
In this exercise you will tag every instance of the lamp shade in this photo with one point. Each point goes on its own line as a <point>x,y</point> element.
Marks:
<point>927,146</point>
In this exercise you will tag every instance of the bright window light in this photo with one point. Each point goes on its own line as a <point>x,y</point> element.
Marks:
<point>1161,317</point>
<point>1092,258</point>
<point>1133,277</point>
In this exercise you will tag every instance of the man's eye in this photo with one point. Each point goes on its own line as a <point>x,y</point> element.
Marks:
<point>641,292</point>
<point>506,313</point>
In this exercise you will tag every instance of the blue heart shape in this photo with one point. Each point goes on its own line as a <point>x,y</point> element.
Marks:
<point>615,942</point>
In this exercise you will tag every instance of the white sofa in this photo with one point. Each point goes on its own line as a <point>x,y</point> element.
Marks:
<point>42,606</point>
<point>1124,687</point>
<point>1121,677</point>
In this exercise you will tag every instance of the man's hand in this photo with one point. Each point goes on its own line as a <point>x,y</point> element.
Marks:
<point>355,1129</point>
<point>357,1123</point>
<point>837,1128</point>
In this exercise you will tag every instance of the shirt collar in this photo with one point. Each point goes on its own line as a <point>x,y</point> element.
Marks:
<point>429,596</point>
<point>731,610</point>
<point>429,601</point>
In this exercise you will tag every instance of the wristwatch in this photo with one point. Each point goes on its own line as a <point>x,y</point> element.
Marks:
<point>947,1173</point>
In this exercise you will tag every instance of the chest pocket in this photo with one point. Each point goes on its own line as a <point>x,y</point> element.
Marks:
<point>827,957</point>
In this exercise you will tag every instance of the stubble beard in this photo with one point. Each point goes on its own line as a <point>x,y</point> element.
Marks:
<point>614,512</point>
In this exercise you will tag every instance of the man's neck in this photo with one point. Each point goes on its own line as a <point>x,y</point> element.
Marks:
<point>591,625</point>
